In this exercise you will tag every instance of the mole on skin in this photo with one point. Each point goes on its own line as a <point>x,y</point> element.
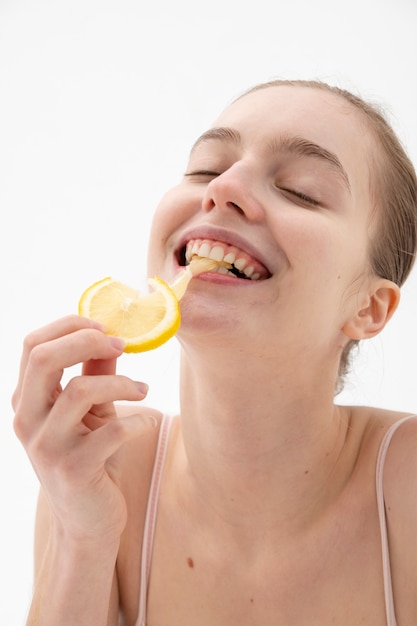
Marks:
<point>190,562</point>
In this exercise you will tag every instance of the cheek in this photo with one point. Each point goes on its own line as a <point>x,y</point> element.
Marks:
<point>160,228</point>
<point>330,250</point>
<point>173,210</point>
<point>164,212</point>
<point>310,239</point>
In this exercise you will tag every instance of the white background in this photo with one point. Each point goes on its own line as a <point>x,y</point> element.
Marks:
<point>100,102</point>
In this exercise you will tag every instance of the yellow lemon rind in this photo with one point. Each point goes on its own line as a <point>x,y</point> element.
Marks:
<point>155,337</point>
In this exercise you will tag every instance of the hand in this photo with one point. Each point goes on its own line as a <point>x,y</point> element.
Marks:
<point>72,435</point>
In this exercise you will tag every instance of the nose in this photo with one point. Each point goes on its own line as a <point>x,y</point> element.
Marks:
<point>234,190</point>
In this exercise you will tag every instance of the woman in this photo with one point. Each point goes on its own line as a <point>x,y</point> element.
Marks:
<point>258,504</point>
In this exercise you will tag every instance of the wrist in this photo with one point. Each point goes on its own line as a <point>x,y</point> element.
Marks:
<point>73,584</point>
<point>104,532</point>
<point>76,541</point>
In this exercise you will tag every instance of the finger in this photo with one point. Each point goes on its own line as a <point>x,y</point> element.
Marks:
<point>49,332</point>
<point>98,367</point>
<point>45,366</point>
<point>95,367</point>
<point>87,453</point>
<point>84,394</point>
<point>58,328</point>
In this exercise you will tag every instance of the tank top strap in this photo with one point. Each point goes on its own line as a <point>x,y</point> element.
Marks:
<point>151,514</point>
<point>382,454</point>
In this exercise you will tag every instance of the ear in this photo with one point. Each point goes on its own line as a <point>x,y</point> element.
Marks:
<point>377,311</point>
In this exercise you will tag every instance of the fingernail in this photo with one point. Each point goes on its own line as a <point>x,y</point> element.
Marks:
<point>117,343</point>
<point>142,387</point>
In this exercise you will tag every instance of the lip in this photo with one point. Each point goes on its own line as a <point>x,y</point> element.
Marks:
<point>221,235</point>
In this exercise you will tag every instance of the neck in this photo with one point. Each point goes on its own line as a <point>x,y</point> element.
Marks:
<point>259,447</point>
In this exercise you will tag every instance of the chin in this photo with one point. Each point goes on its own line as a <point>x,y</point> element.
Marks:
<point>206,319</point>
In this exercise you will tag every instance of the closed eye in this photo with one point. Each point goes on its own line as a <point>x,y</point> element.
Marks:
<point>302,197</point>
<point>202,173</point>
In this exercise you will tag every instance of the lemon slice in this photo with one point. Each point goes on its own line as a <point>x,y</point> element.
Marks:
<point>144,322</point>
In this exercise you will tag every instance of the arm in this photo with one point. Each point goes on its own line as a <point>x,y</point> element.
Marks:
<point>104,611</point>
<point>66,570</point>
<point>73,438</point>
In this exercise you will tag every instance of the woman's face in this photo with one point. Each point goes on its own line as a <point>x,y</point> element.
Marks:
<point>281,182</point>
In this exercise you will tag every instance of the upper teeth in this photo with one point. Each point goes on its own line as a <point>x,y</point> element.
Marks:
<point>223,254</point>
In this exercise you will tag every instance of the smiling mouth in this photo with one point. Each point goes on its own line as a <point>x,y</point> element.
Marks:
<point>230,260</point>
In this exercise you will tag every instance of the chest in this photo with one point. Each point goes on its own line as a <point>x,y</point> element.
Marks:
<point>330,576</point>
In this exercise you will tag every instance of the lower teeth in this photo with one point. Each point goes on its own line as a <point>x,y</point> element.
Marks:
<point>223,267</point>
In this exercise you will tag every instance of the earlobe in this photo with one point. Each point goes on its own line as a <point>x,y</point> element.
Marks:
<point>373,317</point>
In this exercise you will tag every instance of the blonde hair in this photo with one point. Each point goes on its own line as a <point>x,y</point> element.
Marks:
<point>393,245</point>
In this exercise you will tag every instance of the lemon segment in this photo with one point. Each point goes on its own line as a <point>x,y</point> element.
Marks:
<point>197,265</point>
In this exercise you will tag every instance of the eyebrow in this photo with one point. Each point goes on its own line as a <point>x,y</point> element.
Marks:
<point>220,133</point>
<point>296,145</point>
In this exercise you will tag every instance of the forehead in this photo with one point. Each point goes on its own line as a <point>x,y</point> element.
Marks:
<point>316,115</point>
<point>319,113</point>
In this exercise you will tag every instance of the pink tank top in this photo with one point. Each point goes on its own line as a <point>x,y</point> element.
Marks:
<point>150,520</point>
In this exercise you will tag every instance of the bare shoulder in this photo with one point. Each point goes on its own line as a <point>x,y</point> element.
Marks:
<point>400,482</point>
<point>136,458</point>
<point>400,477</point>
<point>400,496</point>
<point>372,423</point>
<point>400,467</point>
<point>137,461</point>
<point>397,433</point>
